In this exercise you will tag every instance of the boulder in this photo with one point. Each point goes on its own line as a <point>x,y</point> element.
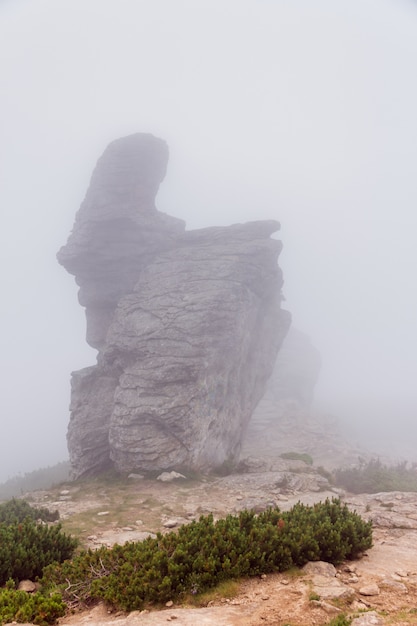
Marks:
<point>187,324</point>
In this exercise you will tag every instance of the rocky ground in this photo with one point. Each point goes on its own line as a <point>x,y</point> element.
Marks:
<point>380,588</point>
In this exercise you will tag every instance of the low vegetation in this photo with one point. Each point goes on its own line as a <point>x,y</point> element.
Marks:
<point>340,620</point>
<point>297,456</point>
<point>203,557</point>
<point>16,511</point>
<point>374,477</point>
<point>35,608</point>
<point>205,553</point>
<point>27,545</point>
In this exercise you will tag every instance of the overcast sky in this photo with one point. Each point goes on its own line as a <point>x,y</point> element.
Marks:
<point>298,110</point>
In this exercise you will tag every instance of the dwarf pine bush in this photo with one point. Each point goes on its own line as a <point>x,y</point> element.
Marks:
<point>26,545</point>
<point>19,606</point>
<point>15,511</point>
<point>204,553</point>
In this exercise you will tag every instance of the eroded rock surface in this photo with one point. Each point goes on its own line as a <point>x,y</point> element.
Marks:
<point>187,324</point>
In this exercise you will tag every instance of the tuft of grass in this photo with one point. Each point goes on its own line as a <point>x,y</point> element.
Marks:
<point>340,620</point>
<point>227,589</point>
<point>313,596</point>
<point>297,456</point>
<point>294,572</point>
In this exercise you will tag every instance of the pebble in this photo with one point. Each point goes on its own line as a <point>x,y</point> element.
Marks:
<point>167,477</point>
<point>170,523</point>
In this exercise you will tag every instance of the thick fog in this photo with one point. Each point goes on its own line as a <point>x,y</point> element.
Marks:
<point>295,110</point>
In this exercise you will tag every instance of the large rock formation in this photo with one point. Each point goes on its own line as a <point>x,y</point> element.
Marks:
<point>187,324</point>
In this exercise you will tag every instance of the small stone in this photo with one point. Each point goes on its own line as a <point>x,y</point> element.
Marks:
<point>358,605</point>
<point>27,585</point>
<point>320,568</point>
<point>170,523</point>
<point>239,497</point>
<point>169,603</point>
<point>368,619</point>
<point>349,568</point>
<point>134,476</point>
<point>284,581</point>
<point>326,606</point>
<point>394,584</point>
<point>139,522</point>
<point>263,576</point>
<point>167,477</point>
<point>103,513</point>
<point>369,590</point>
<point>64,492</point>
<point>265,597</point>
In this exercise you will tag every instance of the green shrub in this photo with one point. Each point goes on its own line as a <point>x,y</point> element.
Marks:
<point>297,456</point>
<point>374,477</point>
<point>15,511</point>
<point>19,606</point>
<point>204,553</point>
<point>27,547</point>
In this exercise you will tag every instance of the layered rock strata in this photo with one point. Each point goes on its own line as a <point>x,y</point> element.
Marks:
<point>187,324</point>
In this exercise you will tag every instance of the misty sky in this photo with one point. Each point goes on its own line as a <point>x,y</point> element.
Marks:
<point>297,110</point>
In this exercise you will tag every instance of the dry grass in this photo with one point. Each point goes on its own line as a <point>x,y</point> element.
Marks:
<point>225,590</point>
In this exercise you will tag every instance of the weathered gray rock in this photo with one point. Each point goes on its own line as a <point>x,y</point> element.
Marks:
<point>320,568</point>
<point>118,229</point>
<point>187,324</point>
<point>369,590</point>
